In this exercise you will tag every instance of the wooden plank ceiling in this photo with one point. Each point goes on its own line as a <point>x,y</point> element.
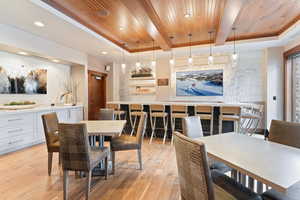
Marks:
<point>135,24</point>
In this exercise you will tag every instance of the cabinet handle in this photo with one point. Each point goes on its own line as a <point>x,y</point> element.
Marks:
<point>15,130</point>
<point>14,142</point>
<point>16,119</point>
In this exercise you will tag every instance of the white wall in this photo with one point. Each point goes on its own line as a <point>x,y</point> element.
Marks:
<point>243,83</point>
<point>274,84</point>
<point>57,74</point>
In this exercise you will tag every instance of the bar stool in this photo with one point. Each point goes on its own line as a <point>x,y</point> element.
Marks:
<point>177,112</point>
<point>135,110</point>
<point>250,120</point>
<point>206,113</point>
<point>158,111</point>
<point>230,113</point>
<point>118,113</point>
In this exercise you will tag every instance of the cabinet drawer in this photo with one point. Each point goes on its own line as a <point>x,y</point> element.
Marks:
<point>16,120</point>
<point>9,132</point>
<point>14,143</point>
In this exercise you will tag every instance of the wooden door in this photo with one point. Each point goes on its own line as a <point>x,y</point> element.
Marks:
<point>97,93</point>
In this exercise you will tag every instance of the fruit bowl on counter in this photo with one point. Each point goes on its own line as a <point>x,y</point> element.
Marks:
<point>18,105</point>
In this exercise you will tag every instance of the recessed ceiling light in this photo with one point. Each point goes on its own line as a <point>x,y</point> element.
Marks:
<point>187,15</point>
<point>121,28</point>
<point>55,60</point>
<point>22,53</point>
<point>104,52</point>
<point>39,24</point>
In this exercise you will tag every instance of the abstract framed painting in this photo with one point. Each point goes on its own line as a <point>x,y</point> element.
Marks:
<point>23,81</point>
<point>199,83</point>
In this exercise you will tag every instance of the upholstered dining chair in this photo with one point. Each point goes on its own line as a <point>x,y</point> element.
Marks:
<point>192,128</point>
<point>50,124</point>
<point>283,132</point>
<point>197,181</point>
<point>78,155</point>
<point>125,142</point>
<point>286,133</point>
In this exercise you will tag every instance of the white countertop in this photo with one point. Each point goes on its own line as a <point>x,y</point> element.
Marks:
<point>38,108</point>
<point>188,103</point>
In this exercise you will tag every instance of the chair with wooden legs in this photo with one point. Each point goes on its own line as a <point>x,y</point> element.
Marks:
<point>125,142</point>
<point>78,155</point>
<point>158,111</point>
<point>230,113</point>
<point>197,181</point>
<point>118,113</point>
<point>177,112</point>
<point>206,113</point>
<point>135,110</point>
<point>50,124</point>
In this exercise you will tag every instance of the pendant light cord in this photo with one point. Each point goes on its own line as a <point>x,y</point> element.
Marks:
<point>234,40</point>
<point>152,50</point>
<point>190,42</point>
<point>210,41</point>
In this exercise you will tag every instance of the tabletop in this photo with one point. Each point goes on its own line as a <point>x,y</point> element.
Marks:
<point>105,127</point>
<point>271,163</point>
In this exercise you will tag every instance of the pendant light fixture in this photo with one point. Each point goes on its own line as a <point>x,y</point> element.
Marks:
<point>123,65</point>
<point>153,62</point>
<point>172,61</point>
<point>210,57</point>
<point>138,63</point>
<point>190,59</point>
<point>234,56</point>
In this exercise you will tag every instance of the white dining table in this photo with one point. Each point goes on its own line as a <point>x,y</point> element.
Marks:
<point>273,164</point>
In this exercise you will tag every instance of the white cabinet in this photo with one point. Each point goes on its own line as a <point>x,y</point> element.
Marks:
<point>22,129</point>
<point>76,115</point>
<point>16,131</point>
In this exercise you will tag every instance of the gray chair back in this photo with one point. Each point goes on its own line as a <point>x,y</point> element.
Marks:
<point>194,175</point>
<point>192,127</point>
<point>141,127</point>
<point>106,114</point>
<point>74,147</point>
<point>283,132</point>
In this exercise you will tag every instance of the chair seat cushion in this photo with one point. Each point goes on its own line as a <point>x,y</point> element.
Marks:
<point>250,116</point>
<point>119,112</point>
<point>179,115</point>
<point>97,154</point>
<point>229,185</point>
<point>158,114</point>
<point>230,117</point>
<point>136,113</point>
<point>54,147</point>
<point>216,165</point>
<point>293,193</point>
<point>204,116</point>
<point>124,142</point>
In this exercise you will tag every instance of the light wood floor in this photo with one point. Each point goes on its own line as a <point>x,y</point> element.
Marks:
<point>24,176</point>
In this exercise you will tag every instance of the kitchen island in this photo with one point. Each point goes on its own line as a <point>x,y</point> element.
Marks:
<point>227,125</point>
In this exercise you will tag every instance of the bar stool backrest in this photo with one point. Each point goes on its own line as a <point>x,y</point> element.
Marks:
<point>113,106</point>
<point>230,110</point>
<point>203,109</point>
<point>136,107</point>
<point>178,108</point>
<point>157,108</point>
